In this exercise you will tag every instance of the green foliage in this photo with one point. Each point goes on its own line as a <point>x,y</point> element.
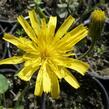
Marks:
<point>1,107</point>
<point>37,1</point>
<point>98,51</point>
<point>20,107</point>
<point>3,84</point>
<point>65,7</point>
<point>19,32</point>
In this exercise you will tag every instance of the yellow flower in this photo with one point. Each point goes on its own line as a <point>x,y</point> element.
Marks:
<point>47,53</point>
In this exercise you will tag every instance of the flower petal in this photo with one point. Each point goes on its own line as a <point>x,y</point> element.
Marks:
<point>56,69</point>
<point>64,27</point>
<point>70,79</point>
<point>20,42</point>
<point>74,64</point>
<point>39,84</point>
<point>46,82</point>
<point>78,34</point>
<point>29,56</point>
<point>51,26</point>
<point>34,22</point>
<point>73,37</point>
<point>12,39</point>
<point>43,29</point>
<point>12,60</point>
<point>28,70</point>
<point>27,28</point>
<point>55,89</point>
<point>46,79</point>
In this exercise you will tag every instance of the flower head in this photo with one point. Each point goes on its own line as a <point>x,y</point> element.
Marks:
<point>48,53</point>
<point>97,20</point>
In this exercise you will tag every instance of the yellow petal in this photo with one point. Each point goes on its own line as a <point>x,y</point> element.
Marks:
<point>55,89</point>
<point>28,70</point>
<point>43,28</point>
<point>27,28</point>
<point>12,39</point>
<point>34,22</point>
<point>74,64</point>
<point>46,79</point>
<point>51,26</point>
<point>71,79</point>
<point>31,47</point>
<point>29,56</point>
<point>46,82</point>
<point>79,66</point>
<point>20,42</point>
<point>73,37</point>
<point>78,34</point>
<point>64,27</point>
<point>43,32</point>
<point>56,69</point>
<point>12,60</point>
<point>39,84</point>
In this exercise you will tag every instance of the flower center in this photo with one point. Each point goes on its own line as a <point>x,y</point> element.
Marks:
<point>44,54</point>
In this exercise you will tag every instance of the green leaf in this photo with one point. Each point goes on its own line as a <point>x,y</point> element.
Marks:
<point>1,107</point>
<point>37,1</point>
<point>3,84</point>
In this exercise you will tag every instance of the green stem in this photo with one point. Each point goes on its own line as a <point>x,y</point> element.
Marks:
<point>38,9</point>
<point>89,50</point>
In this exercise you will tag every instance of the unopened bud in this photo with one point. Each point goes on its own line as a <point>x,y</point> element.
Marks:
<point>97,20</point>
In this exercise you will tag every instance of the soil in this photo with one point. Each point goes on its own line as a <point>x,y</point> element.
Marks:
<point>10,9</point>
<point>85,97</point>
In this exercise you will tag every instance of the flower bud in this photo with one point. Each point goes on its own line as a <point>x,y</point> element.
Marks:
<point>97,20</point>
